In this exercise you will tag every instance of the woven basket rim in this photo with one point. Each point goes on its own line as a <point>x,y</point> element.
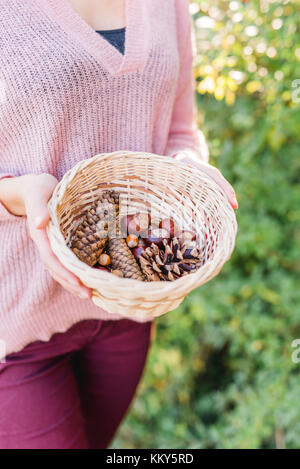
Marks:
<point>125,283</point>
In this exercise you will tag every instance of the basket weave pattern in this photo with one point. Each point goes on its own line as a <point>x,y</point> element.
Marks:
<point>166,188</point>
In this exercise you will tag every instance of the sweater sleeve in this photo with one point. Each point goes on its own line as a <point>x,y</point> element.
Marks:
<point>183,134</point>
<point>5,214</point>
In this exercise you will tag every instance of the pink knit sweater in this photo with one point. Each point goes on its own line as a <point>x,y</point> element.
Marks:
<point>67,94</point>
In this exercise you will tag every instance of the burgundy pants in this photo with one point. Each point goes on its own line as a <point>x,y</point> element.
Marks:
<point>73,391</point>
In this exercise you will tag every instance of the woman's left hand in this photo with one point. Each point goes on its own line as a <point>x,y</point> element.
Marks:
<point>214,173</point>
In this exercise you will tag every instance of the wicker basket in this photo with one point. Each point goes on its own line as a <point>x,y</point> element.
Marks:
<point>170,188</point>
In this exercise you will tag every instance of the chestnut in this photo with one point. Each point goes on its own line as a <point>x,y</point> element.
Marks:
<point>156,236</point>
<point>125,222</point>
<point>185,235</point>
<point>141,242</point>
<point>136,223</point>
<point>169,225</point>
<point>145,234</point>
<point>139,223</point>
<point>100,267</point>
<point>155,221</point>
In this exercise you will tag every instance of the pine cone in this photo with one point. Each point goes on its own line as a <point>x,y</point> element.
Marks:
<point>91,235</point>
<point>170,261</point>
<point>122,259</point>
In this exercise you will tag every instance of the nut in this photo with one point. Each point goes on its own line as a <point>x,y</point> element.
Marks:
<point>117,272</point>
<point>104,259</point>
<point>132,240</point>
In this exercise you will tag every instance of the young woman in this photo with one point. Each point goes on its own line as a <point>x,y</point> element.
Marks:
<point>78,77</point>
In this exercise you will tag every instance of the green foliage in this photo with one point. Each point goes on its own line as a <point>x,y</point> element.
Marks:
<point>220,373</point>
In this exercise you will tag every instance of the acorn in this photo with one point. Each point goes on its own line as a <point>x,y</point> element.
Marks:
<point>169,225</point>
<point>132,240</point>
<point>117,272</point>
<point>156,236</point>
<point>104,259</point>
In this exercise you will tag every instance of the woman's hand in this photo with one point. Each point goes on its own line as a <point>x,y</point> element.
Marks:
<point>214,173</point>
<point>29,195</point>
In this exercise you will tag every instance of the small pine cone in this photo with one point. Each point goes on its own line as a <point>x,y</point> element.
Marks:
<point>91,235</point>
<point>170,261</point>
<point>123,260</point>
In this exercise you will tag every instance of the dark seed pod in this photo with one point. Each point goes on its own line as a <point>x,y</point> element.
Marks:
<point>156,236</point>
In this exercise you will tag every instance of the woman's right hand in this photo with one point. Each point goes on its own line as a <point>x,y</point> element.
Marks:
<point>34,192</point>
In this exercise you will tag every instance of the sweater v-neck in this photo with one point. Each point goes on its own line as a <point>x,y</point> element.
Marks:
<point>136,36</point>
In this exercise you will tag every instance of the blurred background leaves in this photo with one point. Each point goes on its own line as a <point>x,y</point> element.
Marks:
<point>220,373</point>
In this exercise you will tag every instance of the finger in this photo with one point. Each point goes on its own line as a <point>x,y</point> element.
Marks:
<point>38,217</point>
<point>81,293</point>
<point>53,263</point>
<point>79,290</point>
<point>217,176</point>
<point>41,239</point>
<point>36,201</point>
<point>41,221</point>
<point>38,214</point>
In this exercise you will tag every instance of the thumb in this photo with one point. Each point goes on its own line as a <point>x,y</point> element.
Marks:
<point>41,221</point>
<point>37,207</point>
<point>37,211</point>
